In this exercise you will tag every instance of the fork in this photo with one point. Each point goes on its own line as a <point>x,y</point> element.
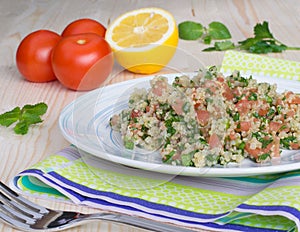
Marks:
<point>25,215</point>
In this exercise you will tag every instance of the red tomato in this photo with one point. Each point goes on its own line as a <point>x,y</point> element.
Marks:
<point>244,126</point>
<point>243,106</point>
<point>203,117</point>
<point>82,62</point>
<point>33,57</point>
<point>214,141</point>
<point>296,99</point>
<point>81,26</point>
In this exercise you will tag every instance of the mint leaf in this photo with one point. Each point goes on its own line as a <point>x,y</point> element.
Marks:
<point>220,46</point>
<point>28,115</point>
<point>207,39</point>
<point>209,49</point>
<point>189,30</point>
<point>262,31</point>
<point>21,128</point>
<point>31,118</point>
<point>224,45</point>
<point>218,31</point>
<point>38,109</point>
<point>10,117</point>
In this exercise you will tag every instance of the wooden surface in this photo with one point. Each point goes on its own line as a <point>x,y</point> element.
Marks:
<point>19,18</point>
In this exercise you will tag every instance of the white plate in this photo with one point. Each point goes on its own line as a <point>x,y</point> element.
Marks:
<point>85,123</point>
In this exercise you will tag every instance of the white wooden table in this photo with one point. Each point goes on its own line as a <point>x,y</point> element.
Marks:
<point>20,17</point>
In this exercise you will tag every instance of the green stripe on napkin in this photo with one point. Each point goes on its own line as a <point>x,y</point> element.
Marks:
<point>248,63</point>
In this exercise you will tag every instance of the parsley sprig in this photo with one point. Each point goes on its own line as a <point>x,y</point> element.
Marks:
<point>263,41</point>
<point>23,118</point>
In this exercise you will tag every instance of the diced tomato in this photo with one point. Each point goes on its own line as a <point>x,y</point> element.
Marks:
<point>157,91</point>
<point>263,111</point>
<point>232,135</point>
<point>236,92</point>
<point>255,153</point>
<point>203,117</point>
<point>288,94</point>
<point>243,106</point>
<point>214,141</point>
<point>275,126</point>
<point>279,102</point>
<point>296,100</point>
<point>244,126</point>
<point>211,85</point>
<point>159,87</point>
<point>294,146</point>
<point>290,113</point>
<point>292,98</point>
<point>148,108</point>
<point>197,105</point>
<point>178,106</point>
<point>228,94</point>
<point>252,152</point>
<point>135,113</point>
<point>220,79</point>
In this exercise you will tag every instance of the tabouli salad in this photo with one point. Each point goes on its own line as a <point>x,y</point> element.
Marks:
<point>210,119</point>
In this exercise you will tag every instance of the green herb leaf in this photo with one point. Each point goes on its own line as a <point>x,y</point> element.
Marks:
<point>218,31</point>
<point>262,31</point>
<point>31,118</point>
<point>37,109</point>
<point>264,156</point>
<point>221,46</point>
<point>207,39</point>
<point>168,158</point>
<point>285,142</point>
<point>21,127</point>
<point>263,47</point>
<point>224,45</point>
<point>189,30</point>
<point>186,159</point>
<point>247,43</point>
<point>263,42</point>
<point>128,143</point>
<point>252,96</point>
<point>210,49</point>
<point>10,117</point>
<point>28,115</point>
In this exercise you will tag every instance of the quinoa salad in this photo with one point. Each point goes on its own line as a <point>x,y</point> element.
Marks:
<point>210,119</point>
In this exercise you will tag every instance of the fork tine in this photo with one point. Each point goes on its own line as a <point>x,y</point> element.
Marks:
<point>10,205</point>
<point>13,221</point>
<point>23,203</point>
<point>15,214</point>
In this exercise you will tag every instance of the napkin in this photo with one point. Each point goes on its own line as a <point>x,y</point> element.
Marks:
<point>253,203</point>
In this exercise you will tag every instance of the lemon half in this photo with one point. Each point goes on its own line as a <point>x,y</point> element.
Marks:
<point>143,40</point>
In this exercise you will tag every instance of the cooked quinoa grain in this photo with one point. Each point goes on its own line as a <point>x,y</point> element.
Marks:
<point>210,119</point>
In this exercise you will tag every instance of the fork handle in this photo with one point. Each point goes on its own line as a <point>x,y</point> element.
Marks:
<point>137,222</point>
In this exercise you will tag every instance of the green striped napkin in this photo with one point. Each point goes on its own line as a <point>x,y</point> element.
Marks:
<point>254,203</point>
